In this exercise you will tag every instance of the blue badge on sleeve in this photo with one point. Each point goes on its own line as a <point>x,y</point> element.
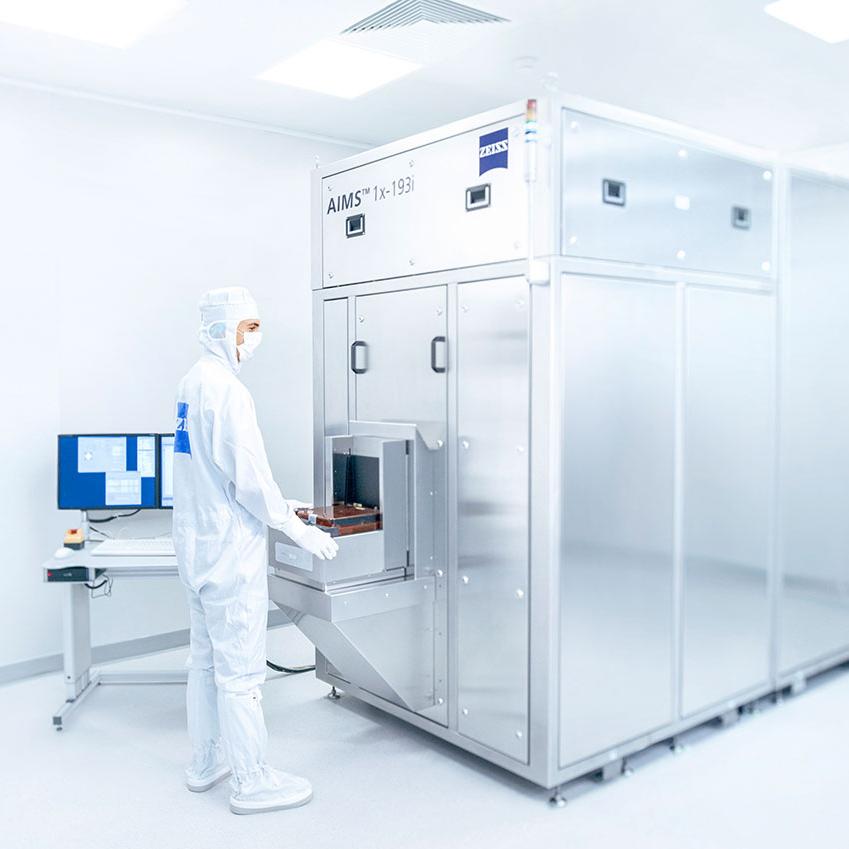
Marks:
<point>182,445</point>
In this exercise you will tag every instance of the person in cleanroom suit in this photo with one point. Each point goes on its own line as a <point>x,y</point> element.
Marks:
<point>224,497</point>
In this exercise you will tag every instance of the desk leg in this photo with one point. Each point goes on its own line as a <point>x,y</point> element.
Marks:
<point>76,649</point>
<point>76,639</point>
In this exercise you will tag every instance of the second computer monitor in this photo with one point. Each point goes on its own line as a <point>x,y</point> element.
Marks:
<point>166,470</point>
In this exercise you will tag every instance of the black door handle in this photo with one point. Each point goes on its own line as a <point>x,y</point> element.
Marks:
<point>437,363</point>
<point>359,357</point>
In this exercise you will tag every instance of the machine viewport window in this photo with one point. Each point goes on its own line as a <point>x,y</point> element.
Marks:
<point>613,192</point>
<point>355,225</point>
<point>477,197</point>
<point>741,217</point>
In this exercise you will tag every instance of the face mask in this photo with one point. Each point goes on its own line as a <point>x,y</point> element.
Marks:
<point>251,342</point>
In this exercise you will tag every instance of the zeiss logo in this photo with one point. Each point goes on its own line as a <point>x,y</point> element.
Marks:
<point>492,150</point>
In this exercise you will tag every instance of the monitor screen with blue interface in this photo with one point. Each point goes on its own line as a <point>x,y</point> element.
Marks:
<point>166,467</point>
<point>107,472</point>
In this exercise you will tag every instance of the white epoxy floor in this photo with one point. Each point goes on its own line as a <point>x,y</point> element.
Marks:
<point>113,778</point>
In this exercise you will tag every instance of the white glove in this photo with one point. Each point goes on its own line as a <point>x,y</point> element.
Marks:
<point>318,543</point>
<point>298,505</point>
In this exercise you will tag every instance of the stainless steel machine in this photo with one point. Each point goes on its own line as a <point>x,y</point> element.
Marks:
<point>552,354</point>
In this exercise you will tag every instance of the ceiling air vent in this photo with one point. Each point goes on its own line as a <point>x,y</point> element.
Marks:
<point>407,13</point>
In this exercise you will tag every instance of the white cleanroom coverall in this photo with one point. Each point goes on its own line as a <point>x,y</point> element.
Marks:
<point>224,497</point>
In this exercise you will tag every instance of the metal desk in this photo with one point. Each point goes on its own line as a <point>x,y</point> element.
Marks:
<point>81,679</point>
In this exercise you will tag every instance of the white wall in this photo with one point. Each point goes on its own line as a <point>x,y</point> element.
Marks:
<point>113,220</point>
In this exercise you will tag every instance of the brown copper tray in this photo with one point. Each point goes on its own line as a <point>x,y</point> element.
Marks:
<point>343,519</point>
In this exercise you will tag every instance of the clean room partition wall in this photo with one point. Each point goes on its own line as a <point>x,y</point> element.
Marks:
<point>113,220</point>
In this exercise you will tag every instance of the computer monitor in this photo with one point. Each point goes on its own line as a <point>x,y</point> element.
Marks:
<point>108,471</point>
<point>166,470</point>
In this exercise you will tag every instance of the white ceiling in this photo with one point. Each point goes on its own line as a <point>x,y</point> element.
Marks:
<point>718,65</point>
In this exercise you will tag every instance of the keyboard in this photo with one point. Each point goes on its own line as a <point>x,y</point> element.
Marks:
<point>157,547</point>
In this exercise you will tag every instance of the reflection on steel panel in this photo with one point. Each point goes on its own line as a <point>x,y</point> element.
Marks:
<point>399,383</point>
<point>674,204</point>
<point>336,367</point>
<point>815,427</point>
<point>728,462</point>
<point>616,604</point>
<point>492,588</point>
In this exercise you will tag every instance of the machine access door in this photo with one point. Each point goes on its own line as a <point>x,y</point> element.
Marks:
<point>399,357</point>
<point>398,364</point>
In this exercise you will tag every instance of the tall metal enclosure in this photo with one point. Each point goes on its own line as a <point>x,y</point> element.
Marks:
<point>550,355</point>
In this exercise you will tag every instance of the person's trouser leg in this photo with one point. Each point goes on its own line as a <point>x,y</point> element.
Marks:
<point>237,619</point>
<point>237,626</point>
<point>201,701</point>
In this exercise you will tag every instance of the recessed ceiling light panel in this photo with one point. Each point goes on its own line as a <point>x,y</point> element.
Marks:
<point>115,23</point>
<point>342,70</point>
<point>825,19</point>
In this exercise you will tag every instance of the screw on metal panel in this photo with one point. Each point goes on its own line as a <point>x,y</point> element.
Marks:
<point>520,593</point>
<point>329,188</point>
<point>361,318</point>
<point>330,275</point>
<point>465,711</point>
<point>412,163</point>
<point>465,308</point>
<point>465,579</point>
<point>412,261</point>
<point>573,240</point>
<point>574,126</point>
<point>334,694</point>
<point>430,492</point>
<point>519,734</point>
<point>767,175</point>
<point>681,254</point>
<point>440,701</point>
<point>520,449</point>
<point>439,443</point>
<point>439,573</point>
<point>439,310</point>
<point>682,153</point>
<point>465,444</point>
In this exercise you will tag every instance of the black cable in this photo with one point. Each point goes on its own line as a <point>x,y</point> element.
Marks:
<point>113,518</point>
<point>293,670</point>
<point>103,583</point>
